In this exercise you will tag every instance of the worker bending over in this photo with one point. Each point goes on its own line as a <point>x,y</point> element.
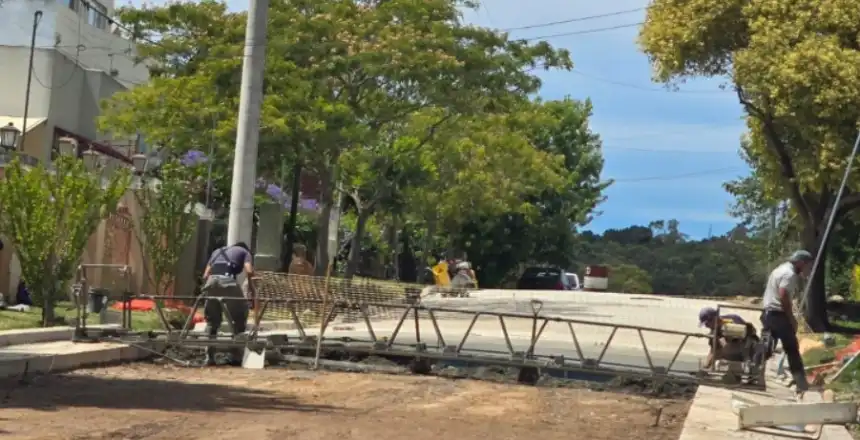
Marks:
<point>729,348</point>
<point>221,279</point>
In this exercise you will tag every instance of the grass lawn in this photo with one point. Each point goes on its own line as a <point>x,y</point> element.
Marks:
<point>10,320</point>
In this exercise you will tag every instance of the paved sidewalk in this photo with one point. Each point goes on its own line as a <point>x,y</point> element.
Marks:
<point>711,416</point>
<point>48,357</point>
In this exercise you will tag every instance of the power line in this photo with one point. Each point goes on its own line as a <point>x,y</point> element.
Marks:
<point>573,20</point>
<point>645,88</point>
<point>677,176</point>
<point>584,31</point>
<point>665,150</point>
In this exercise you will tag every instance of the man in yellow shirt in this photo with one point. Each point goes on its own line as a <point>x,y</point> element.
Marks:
<point>440,273</point>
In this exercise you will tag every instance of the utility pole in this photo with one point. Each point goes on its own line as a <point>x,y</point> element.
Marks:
<point>37,17</point>
<point>241,221</point>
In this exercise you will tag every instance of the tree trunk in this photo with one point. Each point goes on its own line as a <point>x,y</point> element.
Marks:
<point>48,316</point>
<point>355,244</point>
<point>326,202</point>
<point>816,298</point>
<point>294,211</point>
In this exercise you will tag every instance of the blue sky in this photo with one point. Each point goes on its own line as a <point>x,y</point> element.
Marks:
<point>669,151</point>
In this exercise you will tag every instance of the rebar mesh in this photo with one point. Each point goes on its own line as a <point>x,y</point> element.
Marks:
<point>277,285</point>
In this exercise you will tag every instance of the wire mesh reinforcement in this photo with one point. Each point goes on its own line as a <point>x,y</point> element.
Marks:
<point>309,293</point>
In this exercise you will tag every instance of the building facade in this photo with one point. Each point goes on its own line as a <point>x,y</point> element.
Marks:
<point>80,59</point>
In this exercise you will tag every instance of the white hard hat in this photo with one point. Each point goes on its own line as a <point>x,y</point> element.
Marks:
<point>463,265</point>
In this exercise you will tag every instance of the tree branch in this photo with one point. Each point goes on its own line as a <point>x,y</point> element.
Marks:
<point>847,204</point>
<point>779,147</point>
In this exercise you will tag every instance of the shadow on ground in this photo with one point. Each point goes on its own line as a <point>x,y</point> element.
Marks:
<point>60,391</point>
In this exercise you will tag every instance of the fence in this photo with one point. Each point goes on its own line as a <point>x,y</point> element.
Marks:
<point>309,290</point>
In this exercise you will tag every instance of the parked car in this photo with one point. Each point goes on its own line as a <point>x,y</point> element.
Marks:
<point>544,278</point>
<point>573,280</point>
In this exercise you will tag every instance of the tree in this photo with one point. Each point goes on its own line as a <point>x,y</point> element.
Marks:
<point>340,75</point>
<point>628,278</point>
<point>49,214</point>
<point>167,218</point>
<point>793,67</point>
<point>536,226</point>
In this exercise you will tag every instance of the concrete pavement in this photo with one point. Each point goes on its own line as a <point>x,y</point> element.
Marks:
<point>711,416</point>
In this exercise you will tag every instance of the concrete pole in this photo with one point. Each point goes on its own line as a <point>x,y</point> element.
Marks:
<point>241,220</point>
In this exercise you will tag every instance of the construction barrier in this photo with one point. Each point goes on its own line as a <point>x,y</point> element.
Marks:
<point>309,291</point>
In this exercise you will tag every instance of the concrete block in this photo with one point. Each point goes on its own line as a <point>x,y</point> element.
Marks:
<point>797,414</point>
<point>63,356</point>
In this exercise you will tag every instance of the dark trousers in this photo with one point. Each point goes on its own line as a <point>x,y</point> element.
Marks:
<point>237,309</point>
<point>779,325</point>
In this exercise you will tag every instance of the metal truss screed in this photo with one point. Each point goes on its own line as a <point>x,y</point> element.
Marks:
<point>424,352</point>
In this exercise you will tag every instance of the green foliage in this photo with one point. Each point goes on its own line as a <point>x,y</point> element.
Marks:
<point>343,78</point>
<point>167,219</point>
<point>49,214</point>
<point>557,186</point>
<point>629,279</point>
<point>670,263</point>
<point>793,66</point>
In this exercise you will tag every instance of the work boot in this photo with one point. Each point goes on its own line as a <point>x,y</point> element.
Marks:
<point>800,382</point>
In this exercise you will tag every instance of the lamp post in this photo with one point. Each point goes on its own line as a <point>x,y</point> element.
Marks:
<point>9,136</point>
<point>139,162</point>
<point>91,159</point>
<point>67,146</point>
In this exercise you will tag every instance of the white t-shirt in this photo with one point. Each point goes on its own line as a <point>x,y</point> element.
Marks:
<point>783,277</point>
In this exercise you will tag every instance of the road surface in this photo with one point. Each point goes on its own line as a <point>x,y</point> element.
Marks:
<point>665,321</point>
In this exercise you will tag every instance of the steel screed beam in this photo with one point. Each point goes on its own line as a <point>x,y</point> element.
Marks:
<point>439,347</point>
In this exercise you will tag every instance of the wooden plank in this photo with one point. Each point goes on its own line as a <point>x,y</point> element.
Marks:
<point>797,414</point>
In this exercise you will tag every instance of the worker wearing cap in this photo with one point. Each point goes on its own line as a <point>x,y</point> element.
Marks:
<point>725,349</point>
<point>778,316</point>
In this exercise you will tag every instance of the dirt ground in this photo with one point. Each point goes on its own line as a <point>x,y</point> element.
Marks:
<point>146,401</point>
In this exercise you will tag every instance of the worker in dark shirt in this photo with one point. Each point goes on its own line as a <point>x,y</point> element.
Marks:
<point>729,349</point>
<point>221,280</point>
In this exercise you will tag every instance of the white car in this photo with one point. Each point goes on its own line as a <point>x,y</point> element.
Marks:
<point>573,280</point>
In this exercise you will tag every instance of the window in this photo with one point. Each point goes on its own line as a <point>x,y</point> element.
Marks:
<point>73,4</point>
<point>96,15</point>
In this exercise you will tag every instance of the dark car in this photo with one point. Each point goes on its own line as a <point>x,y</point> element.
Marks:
<point>544,278</point>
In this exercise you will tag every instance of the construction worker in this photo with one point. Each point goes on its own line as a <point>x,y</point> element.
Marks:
<point>778,316</point>
<point>440,273</point>
<point>727,348</point>
<point>300,265</point>
<point>221,280</point>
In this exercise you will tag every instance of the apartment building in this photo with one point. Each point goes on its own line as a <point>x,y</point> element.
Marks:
<point>80,59</point>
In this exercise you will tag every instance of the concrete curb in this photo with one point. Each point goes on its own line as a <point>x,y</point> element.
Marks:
<point>59,362</point>
<point>39,335</point>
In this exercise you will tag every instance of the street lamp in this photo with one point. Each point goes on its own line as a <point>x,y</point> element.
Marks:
<point>138,161</point>
<point>91,159</point>
<point>9,136</point>
<point>67,146</point>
